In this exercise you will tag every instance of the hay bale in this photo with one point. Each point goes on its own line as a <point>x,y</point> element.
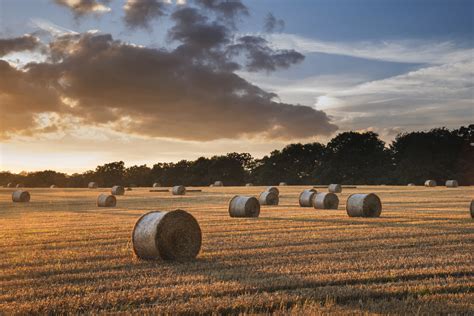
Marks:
<point>273,189</point>
<point>430,183</point>
<point>21,196</point>
<point>335,188</point>
<point>472,209</point>
<point>173,235</point>
<point>244,206</point>
<point>19,185</point>
<point>211,185</point>
<point>282,184</point>
<point>363,205</point>
<point>9,185</point>
<point>306,197</point>
<point>451,184</point>
<point>325,201</point>
<point>268,198</point>
<point>411,184</point>
<point>156,185</point>
<point>249,184</point>
<point>178,190</point>
<point>118,190</point>
<point>106,200</point>
<point>52,186</point>
<point>92,185</point>
<point>218,184</point>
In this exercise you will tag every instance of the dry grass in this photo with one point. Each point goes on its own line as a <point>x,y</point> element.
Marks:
<point>61,253</point>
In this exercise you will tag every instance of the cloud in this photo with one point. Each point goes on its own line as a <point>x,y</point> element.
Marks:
<point>139,13</point>
<point>82,7</point>
<point>272,24</point>
<point>18,44</point>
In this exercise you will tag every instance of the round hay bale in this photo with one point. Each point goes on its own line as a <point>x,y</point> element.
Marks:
<point>325,201</point>
<point>306,197</point>
<point>106,200</point>
<point>92,185</point>
<point>173,235</point>
<point>282,184</point>
<point>19,185</point>
<point>156,185</point>
<point>335,188</point>
<point>273,189</point>
<point>472,209</point>
<point>430,183</point>
<point>218,184</point>
<point>178,190</point>
<point>451,184</point>
<point>411,184</point>
<point>268,198</point>
<point>53,186</point>
<point>9,185</point>
<point>21,196</point>
<point>118,190</point>
<point>244,206</point>
<point>363,205</point>
<point>249,184</point>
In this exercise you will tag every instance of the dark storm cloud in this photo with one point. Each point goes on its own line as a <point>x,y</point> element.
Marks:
<point>139,13</point>
<point>82,7</point>
<point>18,44</point>
<point>272,24</point>
<point>228,10</point>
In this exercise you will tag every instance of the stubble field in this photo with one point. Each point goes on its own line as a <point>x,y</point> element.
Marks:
<point>61,253</point>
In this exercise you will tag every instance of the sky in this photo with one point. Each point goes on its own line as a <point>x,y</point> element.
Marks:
<point>86,82</point>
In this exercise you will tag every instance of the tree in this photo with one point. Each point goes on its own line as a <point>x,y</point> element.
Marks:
<point>110,174</point>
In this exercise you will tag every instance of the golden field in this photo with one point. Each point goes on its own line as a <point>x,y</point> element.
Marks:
<point>61,253</point>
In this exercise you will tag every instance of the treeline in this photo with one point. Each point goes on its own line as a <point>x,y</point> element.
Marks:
<point>349,158</point>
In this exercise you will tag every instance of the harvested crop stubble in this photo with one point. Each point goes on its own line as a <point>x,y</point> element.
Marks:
<point>335,188</point>
<point>326,201</point>
<point>363,205</point>
<point>430,183</point>
<point>118,190</point>
<point>306,197</point>
<point>178,190</point>
<point>451,184</point>
<point>106,200</point>
<point>244,206</point>
<point>268,198</point>
<point>92,185</point>
<point>173,235</point>
<point>21,196</point>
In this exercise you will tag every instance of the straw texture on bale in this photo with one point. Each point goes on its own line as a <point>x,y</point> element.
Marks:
<point>178,190</point>
<point>21,196</point>
<point>92,185</point>
<point>282,184</point>
<point>411,184</point>
<point>306,197</point>
<point>451,184</point>
<point>156,185</point>
<point>118,190</point>
<point>325,201</point>
<point>218,184</point>
<point>273,189</point>
<point>19,185</point>
<point>472,208</point>
<point>430,183</point>
<point>173,235</point>
<point>9,185</point>
<point>363,205</point>
<point>244,206</point>
<point>106,200</point>
<point>268,198</point>
<point>335,188</point>
<point>53,186</point>
<point>249,184</point>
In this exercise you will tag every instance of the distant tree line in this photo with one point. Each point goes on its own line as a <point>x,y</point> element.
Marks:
<point>349,158</point>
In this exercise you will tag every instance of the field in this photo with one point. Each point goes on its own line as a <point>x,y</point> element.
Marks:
<point>60,253</point>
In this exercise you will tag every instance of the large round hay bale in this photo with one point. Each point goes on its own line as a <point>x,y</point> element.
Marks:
<point>411,184</point>
<point>218,184</point>
<point>118,190</point>
<point>9,185</point>
<point>451,184</point>
<point>472,208</point>
<point>244,206</point>
<point>92,185</point>
<point>268,198</point>
<point>106,200</point>
<point>173,235</point>
<point>21,196</point>
<point>430,183</point>
<point>325,201</point>
<point>273,189</point>
<point>249,184</point>
<point>335,188</point>
<point>19,185</point>
<point>306,197</point>
<point>363,205</point>
<point>156,185</point>
<point>282,184</point>
<point>178,190</point>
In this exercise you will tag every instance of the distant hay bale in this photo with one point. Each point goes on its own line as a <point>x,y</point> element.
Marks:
<point>53,186</point>
<point>178,190</point>
<point>21,196</point>
<point>268,198</point>
<point>363,205</point>
<point>249,184</point>
<point>211,185</point>
<point>411,184</point>
<point>19,185</point>
<point>173,235</point>
<point>156,185</point>
<point>218,184</point>
<point>92,185</point>
<point>306,197</point>
<point>9,185</point>
<point>106,200</point>
<point>472,208</point>
<point>430,183</point>
<point>335,188</point>
<point>325,201</point>
<point>273,189</point>
<point>282,184</point>
<point>451,184</point>
<point>118,190</point>
<point>244,206</point>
